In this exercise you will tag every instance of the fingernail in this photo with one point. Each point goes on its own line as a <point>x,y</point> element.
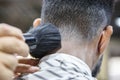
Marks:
<point>34,69</point>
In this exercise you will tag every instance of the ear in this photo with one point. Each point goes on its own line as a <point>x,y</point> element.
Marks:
<point>36,22</point>
<point>105,38</point>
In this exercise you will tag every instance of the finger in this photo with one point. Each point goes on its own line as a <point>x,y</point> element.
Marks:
<point>8,61</point>
<point>36,22</point>
<point>30,61</point>
<point>24,68</point>
<point>7,30</point>
<point>13,45</point>
<point>5,74</point>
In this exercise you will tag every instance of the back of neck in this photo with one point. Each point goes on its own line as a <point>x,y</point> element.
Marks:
<point>81,52</point>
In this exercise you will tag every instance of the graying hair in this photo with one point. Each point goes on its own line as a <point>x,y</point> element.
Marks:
<point>75,19</point>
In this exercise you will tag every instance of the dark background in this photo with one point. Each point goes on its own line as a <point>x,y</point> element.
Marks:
<point>20,13</point>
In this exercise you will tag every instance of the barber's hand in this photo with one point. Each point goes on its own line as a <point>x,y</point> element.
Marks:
<point>26,65</point>
<point>11,43</point>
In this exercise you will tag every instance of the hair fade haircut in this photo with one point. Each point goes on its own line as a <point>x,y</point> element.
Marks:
<point>78,18</point>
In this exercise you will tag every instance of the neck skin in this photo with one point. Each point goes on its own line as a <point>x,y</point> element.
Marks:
<point>82,52</point>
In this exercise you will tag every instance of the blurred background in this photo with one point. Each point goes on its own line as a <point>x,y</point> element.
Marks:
<point>21,13</point>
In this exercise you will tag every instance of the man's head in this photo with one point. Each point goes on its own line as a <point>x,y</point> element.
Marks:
<point>85,18</point>
<point>84,22</point>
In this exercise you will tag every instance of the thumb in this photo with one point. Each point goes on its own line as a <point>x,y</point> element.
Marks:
<point>36,22</point>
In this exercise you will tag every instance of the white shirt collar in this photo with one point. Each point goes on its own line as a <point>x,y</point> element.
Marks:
<point>69,58</point>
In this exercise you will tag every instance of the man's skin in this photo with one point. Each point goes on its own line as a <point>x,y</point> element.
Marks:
<point>12,44</point>
<point>102,42</point>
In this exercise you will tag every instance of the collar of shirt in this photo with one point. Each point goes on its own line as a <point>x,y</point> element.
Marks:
<point>65,58</point>
<point>61,66</point>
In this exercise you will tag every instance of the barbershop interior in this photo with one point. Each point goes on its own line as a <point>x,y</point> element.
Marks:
<point>21,13</point>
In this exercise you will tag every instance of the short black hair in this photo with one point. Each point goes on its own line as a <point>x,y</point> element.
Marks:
<point>78,18</point>
<point>97,67</point>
